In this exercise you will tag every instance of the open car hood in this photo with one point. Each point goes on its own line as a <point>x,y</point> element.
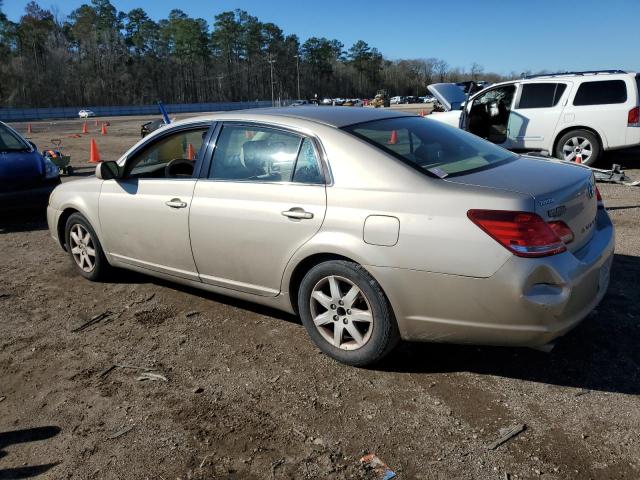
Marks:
<point>450,95</point>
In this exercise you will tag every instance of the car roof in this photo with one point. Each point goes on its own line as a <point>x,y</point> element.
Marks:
<point>332,116</point>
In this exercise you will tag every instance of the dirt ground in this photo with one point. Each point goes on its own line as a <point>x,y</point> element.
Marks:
<point>242,393</point>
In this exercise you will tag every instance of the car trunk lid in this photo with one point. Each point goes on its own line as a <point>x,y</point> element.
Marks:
<point>562,192</point>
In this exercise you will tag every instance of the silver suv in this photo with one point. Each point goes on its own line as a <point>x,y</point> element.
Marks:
<point>574,116</point>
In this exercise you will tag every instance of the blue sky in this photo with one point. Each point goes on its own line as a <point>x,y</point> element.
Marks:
<point>501,35</point>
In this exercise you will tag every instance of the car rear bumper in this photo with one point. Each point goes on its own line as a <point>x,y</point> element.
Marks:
<point>527,302</point>
<point>37,197</point>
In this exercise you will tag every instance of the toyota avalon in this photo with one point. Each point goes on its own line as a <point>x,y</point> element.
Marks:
<point>372,225</point>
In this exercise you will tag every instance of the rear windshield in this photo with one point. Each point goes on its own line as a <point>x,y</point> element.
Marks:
<point>10,142</point>
<point>603,92</point>
<point>432,147</point>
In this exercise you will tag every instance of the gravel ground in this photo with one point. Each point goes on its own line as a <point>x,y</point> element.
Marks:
<point>238,391</point>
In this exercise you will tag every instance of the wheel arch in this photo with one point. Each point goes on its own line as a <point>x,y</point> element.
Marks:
<point>307,263</point>
<point>599,136</point>
<point>62,222</point>
<point>301,269</point>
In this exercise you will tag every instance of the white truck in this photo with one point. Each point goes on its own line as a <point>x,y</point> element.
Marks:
<point>572,116</point>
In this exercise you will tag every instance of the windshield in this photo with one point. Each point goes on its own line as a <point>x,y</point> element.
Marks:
<point>431,146</point>
<point>11,142</point>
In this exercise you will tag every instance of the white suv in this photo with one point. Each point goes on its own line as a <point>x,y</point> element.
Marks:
<point>573,116</point>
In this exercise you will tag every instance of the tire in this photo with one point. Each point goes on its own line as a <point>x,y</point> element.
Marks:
<point>581,142</point>
<point>367,326</point>
<point>92,267</point>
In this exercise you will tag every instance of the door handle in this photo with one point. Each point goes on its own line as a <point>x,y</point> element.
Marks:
<point>175,203</point>
<point>297,213</point>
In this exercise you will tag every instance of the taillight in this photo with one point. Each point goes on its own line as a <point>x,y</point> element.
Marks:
<point>634,117</point>
<point>599,199</point>
<point>562,230</point>
<point>522,233</point>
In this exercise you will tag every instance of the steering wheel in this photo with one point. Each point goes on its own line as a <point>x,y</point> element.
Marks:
<point>179,167</point>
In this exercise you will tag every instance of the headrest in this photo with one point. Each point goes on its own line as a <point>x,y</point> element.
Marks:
<point>255,153</point>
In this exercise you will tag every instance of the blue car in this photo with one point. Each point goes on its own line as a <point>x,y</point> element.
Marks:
<point>26,177</point>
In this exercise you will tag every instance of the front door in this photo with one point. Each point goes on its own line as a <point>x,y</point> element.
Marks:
<point>263,197</point>
<point>487,115</point>
<point>144,216</point>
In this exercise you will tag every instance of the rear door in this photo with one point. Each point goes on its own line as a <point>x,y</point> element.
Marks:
<point>603,105</point>
<point>262,198</point>
<point>538,109</point>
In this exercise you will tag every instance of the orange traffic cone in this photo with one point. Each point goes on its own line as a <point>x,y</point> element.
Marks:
<point>29,129</point>
<point>95,122</point>
<point>191,153</point>
<point>422,114</point>
<point>85,130</point>
<point>103,130</point>
<point>94,154</point>
<point>578,158</point>
<point>393,138</point>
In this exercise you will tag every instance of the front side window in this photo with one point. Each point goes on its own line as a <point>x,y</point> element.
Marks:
<point>541,95</point>
<point>498,96</point>
<point>10,142</point>
<point>177,149</point>
<point>262,154</point>
<point>603,92</point>
<point>434,148</point>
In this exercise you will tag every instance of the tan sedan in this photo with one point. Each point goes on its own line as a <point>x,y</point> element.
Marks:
<point>371,225</point>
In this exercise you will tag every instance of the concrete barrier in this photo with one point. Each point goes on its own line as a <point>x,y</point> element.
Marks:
<point>25,114</point>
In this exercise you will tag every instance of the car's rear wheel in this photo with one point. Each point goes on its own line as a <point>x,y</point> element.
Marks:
<point>84,248</point>
<point>580,146</point>
<point>346,313</point>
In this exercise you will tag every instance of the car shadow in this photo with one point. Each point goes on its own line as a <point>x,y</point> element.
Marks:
<point>627,158</point>
<point>623,207</point>
<point>24,436</point>
<point>600,354</point>
<point>131,277</point>
<point>23,221</point>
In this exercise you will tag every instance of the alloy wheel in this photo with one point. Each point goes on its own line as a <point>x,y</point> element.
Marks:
<point>575,146</point>
<point>82,247</point>
<point>341,313</point>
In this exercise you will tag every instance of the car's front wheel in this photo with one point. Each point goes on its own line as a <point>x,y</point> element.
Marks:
<point>346,313</point>
<point>580,146</point>
<point>84,248</point>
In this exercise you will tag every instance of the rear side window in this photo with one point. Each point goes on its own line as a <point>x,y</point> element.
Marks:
<point>602,92</point>
<point>638,86</point>
<point>541,95</point>
<point>261,154</point>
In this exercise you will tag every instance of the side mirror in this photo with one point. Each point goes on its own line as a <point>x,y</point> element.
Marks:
<point>107,170</point>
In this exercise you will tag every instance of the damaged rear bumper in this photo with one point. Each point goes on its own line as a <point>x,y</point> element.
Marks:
<point>527,302</point>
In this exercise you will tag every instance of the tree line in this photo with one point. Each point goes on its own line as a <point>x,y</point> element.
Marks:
<point>98,55</point>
